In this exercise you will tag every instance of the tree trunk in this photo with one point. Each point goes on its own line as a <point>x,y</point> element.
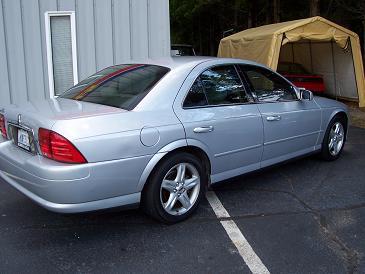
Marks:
<point>314,8</point>
<point>212,40</point>
<point>272,12</point>
<point>276,11</point>
<point>236,12</point>
<point>249,17</point>
<point>269,12</point>
<point>252,15</point>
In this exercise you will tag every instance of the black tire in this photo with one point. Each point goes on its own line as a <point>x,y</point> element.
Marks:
<point>151,201</point>
<point>325,151</point>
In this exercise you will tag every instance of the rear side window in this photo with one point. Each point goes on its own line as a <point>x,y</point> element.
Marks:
<point>267,85</point>
<point>196,96</point>
<point>223,86</point>
<point>120,86</point>
<point>219,85</point>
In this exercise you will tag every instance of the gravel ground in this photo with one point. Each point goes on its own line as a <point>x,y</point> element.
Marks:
<point>357,115</point>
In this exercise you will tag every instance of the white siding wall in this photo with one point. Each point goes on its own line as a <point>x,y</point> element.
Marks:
<point>108,32</point>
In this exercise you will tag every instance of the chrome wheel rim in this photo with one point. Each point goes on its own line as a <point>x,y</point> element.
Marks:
<point>336,139</point>
<point>180,189</point>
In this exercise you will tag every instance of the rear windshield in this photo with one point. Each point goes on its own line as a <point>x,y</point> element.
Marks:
<point>292,68</point>
<point>122,86</point>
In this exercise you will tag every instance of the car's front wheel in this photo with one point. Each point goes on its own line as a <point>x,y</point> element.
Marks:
<point>334,139</point>
<point>175,188</point>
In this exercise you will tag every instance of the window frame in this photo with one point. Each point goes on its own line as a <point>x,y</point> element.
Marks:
<point>247,90</point>
<point>47,16</point>
<point>253,94</point>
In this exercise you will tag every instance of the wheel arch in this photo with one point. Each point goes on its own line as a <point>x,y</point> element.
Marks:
<point>194,147</point>
<point>342,114</point>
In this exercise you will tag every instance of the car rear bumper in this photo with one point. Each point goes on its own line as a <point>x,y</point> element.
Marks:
<point>72,188</point>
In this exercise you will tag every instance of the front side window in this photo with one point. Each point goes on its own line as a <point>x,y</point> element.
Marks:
<point>267,85</point>
<point>121,86</point>
<point>219,85</point>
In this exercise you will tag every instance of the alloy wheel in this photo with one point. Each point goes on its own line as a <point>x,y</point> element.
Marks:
<point>180,189</point>
<point>336,139</point>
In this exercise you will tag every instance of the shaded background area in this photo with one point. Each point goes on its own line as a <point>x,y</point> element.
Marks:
<point>202,23</point>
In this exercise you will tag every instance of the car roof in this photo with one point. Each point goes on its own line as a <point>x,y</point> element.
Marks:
<point>180,61</point>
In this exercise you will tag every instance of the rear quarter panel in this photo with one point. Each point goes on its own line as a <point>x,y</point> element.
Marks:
<point>124,135</point>
<point>143,131</point>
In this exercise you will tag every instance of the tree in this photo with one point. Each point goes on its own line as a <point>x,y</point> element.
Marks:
<point>357,12</point>
<point>276,11</point>
<point>203,22</point>
<point>314,8</point>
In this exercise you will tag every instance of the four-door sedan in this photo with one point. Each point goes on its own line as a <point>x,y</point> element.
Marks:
<point>159,133</point>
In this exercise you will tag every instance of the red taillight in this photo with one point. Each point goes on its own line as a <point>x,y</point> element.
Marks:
<point>2,126</point>
<point>58,148</point>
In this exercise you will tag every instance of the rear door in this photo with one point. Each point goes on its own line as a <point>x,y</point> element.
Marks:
<point>291,126</point>
<point>219,115</point>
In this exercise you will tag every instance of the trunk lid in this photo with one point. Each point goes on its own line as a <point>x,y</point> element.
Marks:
<point>52,110</point>
<point>31,116</point>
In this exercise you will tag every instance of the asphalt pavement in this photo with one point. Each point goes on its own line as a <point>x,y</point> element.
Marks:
<point>305,216</point>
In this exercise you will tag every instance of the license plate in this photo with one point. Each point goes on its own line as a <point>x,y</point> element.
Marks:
<point>23,139</point>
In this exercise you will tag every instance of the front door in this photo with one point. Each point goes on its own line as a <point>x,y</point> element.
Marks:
<point>291,126</point>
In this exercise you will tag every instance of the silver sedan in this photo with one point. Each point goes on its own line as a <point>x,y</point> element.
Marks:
<point>158,133</point>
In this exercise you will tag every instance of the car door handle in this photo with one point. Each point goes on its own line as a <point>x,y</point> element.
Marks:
<point>203,129</point>
<point>273,118</point>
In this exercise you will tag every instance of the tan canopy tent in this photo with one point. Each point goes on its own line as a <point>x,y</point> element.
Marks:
<point>321,46</point>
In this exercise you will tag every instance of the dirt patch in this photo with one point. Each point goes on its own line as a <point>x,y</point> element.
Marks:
<point>357,115</point>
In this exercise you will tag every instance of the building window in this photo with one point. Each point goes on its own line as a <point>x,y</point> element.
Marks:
<point>61,51</point>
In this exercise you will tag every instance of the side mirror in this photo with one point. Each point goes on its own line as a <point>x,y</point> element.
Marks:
<point>305,94</point>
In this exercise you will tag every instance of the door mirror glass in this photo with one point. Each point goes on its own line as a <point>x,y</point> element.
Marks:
<point>305,94</point>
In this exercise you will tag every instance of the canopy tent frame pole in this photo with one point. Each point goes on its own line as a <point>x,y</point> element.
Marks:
<point>311,55</point>
<point>349,48</point>
<point>334,69</point>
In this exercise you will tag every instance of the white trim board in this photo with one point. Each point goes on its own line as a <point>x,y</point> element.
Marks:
<point>47,17</point>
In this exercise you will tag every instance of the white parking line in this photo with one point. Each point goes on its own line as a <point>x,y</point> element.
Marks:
<point>251,259</point>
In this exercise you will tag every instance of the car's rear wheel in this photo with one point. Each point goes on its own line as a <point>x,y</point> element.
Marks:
<point>334,139</point>
<point>175,188</point>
